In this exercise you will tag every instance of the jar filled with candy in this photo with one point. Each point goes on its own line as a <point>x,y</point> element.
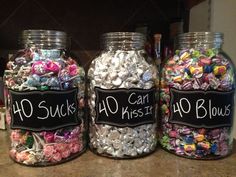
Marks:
<point>45,100</point>
<point>197,98</point>
<point>122,88</point>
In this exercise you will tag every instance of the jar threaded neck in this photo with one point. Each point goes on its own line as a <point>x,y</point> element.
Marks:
<point>122,41</point>
<point>199,40</point>
<point>44,39</point>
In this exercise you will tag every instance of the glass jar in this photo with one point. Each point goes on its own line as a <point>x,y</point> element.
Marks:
<point>122,89</point>
<point>45,100</point>
<point>197,98</point>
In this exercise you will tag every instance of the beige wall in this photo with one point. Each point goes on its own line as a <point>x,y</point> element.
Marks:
<point>199,17</point>
<point>223,19</point>
<point>217,16</point>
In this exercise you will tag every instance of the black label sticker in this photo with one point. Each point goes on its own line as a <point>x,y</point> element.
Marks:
<point>125,107</point>
<point>43,110</point>
<point>208,109</point>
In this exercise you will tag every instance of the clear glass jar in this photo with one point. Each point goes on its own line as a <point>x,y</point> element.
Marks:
<point>197,98</point>
<point>45,91</point>
<point>122,90</point>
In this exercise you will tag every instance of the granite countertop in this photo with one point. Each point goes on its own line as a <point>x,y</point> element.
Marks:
<point>160,163</point>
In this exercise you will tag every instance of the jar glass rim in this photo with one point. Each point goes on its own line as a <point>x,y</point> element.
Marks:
<point>43,38</point>
<point>37,32</point>
<point>124,36</point>
<point>122,40</point>
<point>199,40</point>
<point>201,33</point>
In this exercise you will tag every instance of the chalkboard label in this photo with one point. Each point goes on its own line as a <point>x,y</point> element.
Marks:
<point>125,107</point>
<point>43,110</point>
<point>207,109</point>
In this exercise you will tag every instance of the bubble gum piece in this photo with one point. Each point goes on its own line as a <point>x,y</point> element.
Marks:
<point>179,151</point>
<point>204,145</point>
<point>184,56</point>
<point>216,60</point>
<point>208,69</point>
<point>215,133</point>
<point>187,85</point>
<point>219,70</point>
<point>196,53</point>
<point>186,131</point>
<point>186,70</point>
<point>173,134</point>
<point>210,52</point>
<point>200,153</point>
<point>177,78</point>
<point>214,148</point>
<point>196,70</point>
<point>189,147</point>
<point>189,139</point>
<point>205,61</point>
<point>199,137</point>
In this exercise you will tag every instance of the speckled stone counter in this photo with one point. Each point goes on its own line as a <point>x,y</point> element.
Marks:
<point>160,163</point>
